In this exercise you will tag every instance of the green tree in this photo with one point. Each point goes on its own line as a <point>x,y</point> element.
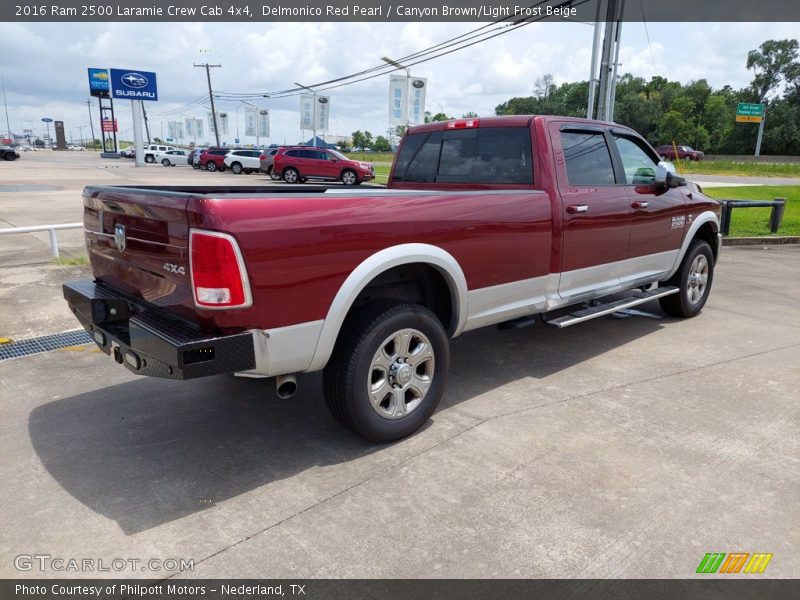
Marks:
<point>774,60</point>
<point>381,144</point>
<point>470,115</point>
<point>359,140</point>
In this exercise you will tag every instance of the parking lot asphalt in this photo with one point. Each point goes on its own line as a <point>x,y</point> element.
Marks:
<point>622,447</point>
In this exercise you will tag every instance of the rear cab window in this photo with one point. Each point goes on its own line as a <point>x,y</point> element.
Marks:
<point>486,155</point>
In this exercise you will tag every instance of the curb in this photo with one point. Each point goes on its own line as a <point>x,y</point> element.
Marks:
<point>760,241</point>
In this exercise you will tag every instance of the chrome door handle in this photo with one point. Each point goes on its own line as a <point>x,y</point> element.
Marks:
<point>575,209</point>
<point>640,204</point>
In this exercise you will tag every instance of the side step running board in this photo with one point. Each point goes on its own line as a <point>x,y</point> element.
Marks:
<point>600,310</point>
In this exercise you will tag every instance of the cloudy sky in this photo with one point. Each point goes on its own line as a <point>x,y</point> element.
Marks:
<point>44,65</point>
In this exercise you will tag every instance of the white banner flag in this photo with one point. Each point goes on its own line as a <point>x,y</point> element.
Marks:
<point>315,117</point>
<point>306,111</point>
<point>419,85</point>
<point>397,99</point>
<point>263,123</point>
<point>194,128</point>
<point>250,118</point>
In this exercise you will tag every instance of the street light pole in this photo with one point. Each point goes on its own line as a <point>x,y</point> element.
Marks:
<point>394,63</point>
<point>313,113</point>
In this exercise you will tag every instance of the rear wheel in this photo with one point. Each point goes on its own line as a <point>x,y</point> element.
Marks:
<point>211,166</point>
<point>273,175</point>
<point>236,168</point>
<point>349,177</point>
<point>291,175</point>
<point>388,370</point>
<point>693,280</point>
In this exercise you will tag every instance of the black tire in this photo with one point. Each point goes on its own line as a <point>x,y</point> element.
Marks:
<point>211,166</point>
<point>346,377</point>
<point>236,168</point>
<point>195,165</point>
<point>165,162</point>
<point>349,177</point>
<point>273,175</point>
<point>691,298</point>
<point>290,175</point>
<point>149,158</point>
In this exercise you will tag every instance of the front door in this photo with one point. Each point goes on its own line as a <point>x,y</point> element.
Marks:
<point>595,210</point>
<point>658,214</point>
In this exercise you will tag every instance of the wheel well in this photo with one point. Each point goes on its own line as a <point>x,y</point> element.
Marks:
<point>708,233</point>
<point>418,283</point>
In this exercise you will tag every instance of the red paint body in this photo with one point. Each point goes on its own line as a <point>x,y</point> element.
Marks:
<point>299,245</point>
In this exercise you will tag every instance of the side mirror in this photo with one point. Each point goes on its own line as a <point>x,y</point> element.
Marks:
<point>666,176</point>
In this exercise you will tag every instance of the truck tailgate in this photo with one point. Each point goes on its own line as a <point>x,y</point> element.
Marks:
<point>138,242</point>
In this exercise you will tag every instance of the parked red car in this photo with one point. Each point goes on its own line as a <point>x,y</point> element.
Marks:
<point>213,159</point>
<point>298,163</point>
<point>684,153</point>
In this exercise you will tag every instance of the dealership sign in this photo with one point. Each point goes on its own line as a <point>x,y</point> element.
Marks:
<point>99,83</point>
<point>133,85</point>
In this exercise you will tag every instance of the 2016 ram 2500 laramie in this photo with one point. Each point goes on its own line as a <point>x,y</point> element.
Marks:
<point>483,221</point>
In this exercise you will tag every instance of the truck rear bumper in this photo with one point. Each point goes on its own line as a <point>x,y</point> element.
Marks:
<point>149,341</point>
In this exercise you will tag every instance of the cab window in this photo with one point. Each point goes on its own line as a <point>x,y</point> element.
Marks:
<point>587,158</point>
<point>638,164</point>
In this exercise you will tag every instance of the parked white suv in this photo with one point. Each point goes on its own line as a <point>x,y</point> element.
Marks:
<point>243,161</point>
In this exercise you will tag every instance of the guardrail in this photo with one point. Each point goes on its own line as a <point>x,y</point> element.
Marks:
<point>50,228</point>
<point>775,218</point>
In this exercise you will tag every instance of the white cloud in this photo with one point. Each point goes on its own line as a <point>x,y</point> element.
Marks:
<point>45,70</point>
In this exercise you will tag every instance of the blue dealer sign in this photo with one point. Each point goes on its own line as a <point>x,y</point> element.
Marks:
<point>133,85</point>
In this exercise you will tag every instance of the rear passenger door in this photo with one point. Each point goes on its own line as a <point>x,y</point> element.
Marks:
<point>595,210</point>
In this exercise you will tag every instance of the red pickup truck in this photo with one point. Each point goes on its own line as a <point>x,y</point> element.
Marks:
<point>501,220</point>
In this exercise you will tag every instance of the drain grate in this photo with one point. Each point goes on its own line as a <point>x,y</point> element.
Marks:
<point>44,344</point>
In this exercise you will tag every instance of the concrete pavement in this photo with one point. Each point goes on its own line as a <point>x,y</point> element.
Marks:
<point>617,448</point>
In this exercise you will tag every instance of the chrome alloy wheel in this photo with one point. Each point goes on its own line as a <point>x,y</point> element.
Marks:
<point>698,279</point>
<point>401,373</point>
<point>349,178</point>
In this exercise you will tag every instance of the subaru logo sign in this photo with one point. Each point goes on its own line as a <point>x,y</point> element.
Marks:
<point>127,84</point>
<point>119,237</point>
<point>418,83</point>
<point>134,80</point>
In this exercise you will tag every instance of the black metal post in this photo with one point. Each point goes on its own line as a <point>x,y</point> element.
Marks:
<point>776,216</point>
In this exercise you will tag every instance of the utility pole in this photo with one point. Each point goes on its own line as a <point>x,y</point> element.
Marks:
<point>608,60</point>
<point>593,69</point>
<point>5,104</point>
<point>89,107</point>
<point>146,126</point>
<point>208,68</point>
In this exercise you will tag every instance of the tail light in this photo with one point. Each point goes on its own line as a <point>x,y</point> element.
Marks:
<point>262,157</point>
<point>219,277</point>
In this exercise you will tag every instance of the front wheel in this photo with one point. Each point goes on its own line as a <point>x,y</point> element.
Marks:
<point>211,166</point>
<point>236,168</point>
<point>165,162</point>
<point>693,280</point>
<point>349,177</point>
<point>150,158</point>
<point>388,370</point>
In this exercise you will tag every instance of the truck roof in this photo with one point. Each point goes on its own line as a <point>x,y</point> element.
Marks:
<point>501,121</point>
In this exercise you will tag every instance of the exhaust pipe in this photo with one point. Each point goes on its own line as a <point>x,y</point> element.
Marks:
<point>285,386</point>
